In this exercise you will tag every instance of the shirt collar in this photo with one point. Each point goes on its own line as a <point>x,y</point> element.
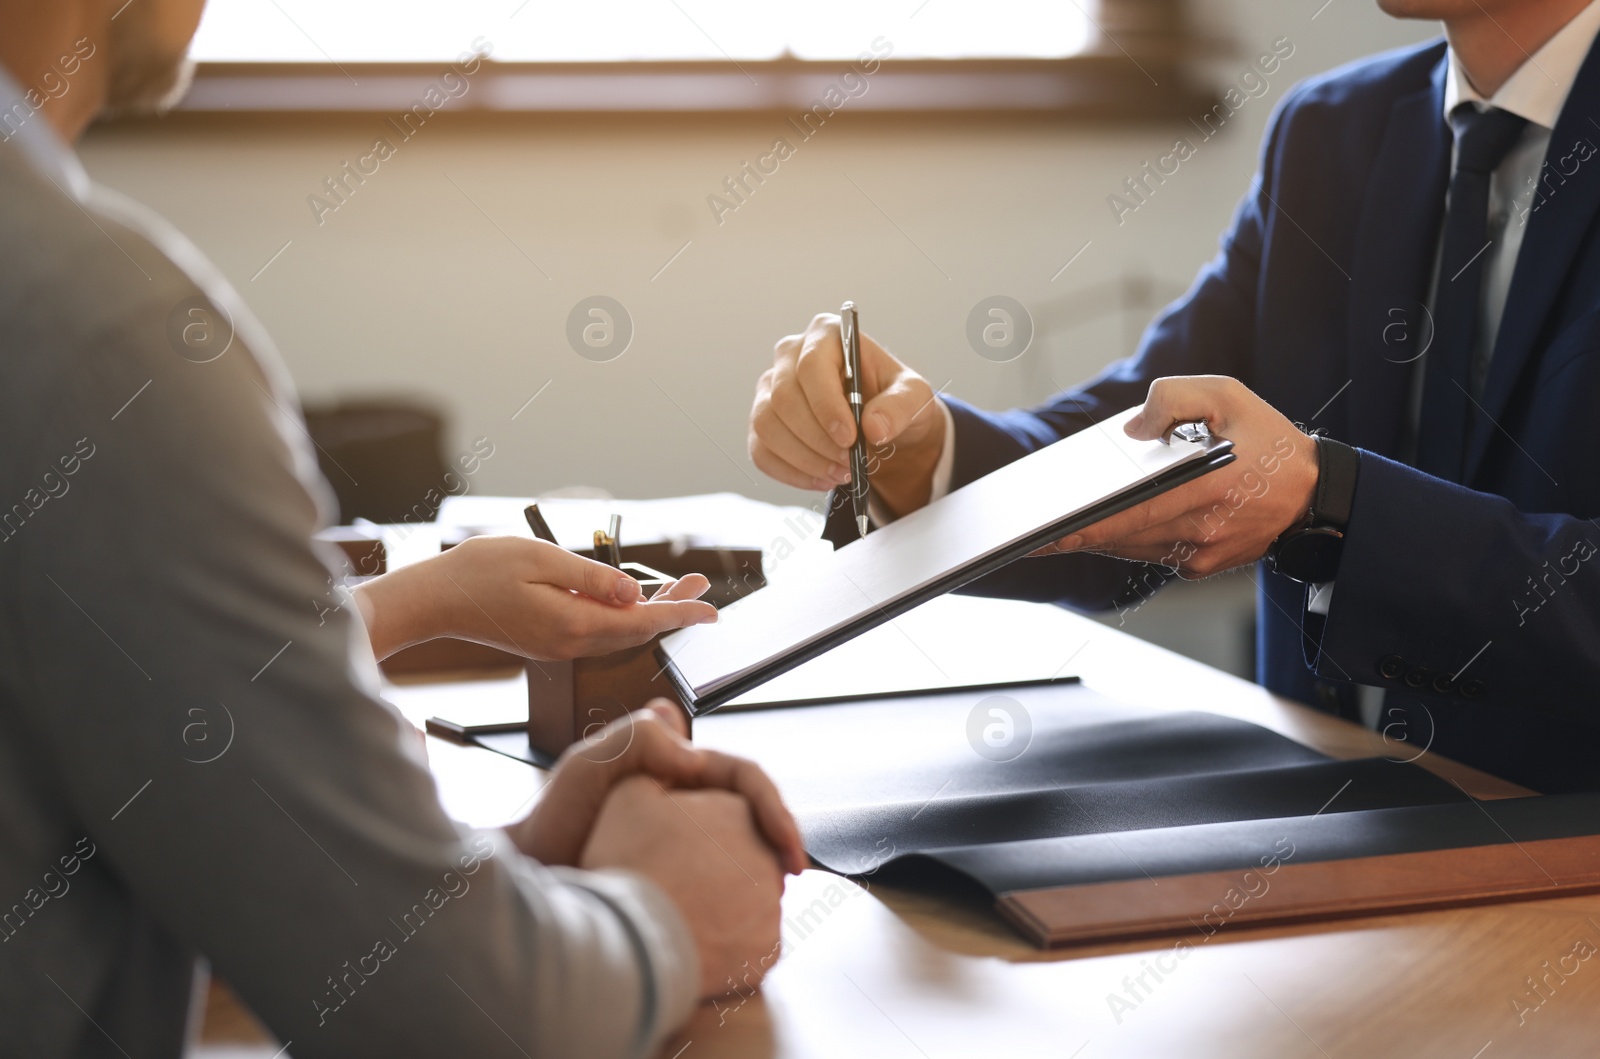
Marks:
<point>1538,90</point>
<point>36,138</point>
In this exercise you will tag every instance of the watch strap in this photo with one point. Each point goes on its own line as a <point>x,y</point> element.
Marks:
<point>1337,468</point>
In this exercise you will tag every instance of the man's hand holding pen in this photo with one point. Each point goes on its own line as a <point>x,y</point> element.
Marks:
<point>801,430</point>
<point>801,425</point>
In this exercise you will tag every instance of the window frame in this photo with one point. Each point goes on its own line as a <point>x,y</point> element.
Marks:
<point>1088,85</point>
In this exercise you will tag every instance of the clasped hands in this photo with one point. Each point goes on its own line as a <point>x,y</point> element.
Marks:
<point>708,828</point>
<point>801,431</point>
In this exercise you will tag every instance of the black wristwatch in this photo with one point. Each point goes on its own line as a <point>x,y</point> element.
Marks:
<point>1310,551</point>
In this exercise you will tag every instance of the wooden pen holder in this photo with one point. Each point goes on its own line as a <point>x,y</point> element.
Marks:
<point>568,701</point>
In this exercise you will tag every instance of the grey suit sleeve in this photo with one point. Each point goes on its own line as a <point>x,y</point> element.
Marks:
<point>216,733</point>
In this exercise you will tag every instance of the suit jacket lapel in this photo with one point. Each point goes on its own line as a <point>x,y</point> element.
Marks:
<point>1396,241</point>
<point>1554,235</point>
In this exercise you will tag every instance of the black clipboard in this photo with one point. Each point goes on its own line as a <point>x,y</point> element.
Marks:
<point>1216,452</point>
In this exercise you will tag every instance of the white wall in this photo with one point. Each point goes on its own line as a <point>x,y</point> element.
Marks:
<point>409,287</point>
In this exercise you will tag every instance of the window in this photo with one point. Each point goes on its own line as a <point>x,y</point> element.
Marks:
<point>355,31</point>
<point>691,55</point>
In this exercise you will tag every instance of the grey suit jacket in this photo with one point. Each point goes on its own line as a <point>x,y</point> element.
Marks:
<point>194,765</point>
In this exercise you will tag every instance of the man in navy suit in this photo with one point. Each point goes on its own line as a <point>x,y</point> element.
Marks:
<point>1400,336</point>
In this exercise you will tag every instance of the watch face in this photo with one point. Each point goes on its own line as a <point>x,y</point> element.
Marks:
<point>1310,555</point>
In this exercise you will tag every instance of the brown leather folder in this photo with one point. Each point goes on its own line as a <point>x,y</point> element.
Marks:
<point>1117,824</point>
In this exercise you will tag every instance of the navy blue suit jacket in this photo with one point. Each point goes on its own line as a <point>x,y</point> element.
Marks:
<point>1497,580</point>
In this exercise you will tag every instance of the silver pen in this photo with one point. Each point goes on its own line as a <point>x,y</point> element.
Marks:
<point>850,335</point>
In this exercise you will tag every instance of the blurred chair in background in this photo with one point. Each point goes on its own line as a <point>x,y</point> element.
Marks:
<point>383,457</point>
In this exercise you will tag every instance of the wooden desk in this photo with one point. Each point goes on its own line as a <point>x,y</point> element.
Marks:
<point>886,972</point>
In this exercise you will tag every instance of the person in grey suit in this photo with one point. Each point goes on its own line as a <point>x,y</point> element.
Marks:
<point>196,772</point>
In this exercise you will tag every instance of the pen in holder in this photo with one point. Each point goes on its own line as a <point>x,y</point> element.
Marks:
<point>607,543</point>
<point>608,550</point>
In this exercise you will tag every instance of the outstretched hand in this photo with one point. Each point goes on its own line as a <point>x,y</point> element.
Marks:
<point>527,597</point>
